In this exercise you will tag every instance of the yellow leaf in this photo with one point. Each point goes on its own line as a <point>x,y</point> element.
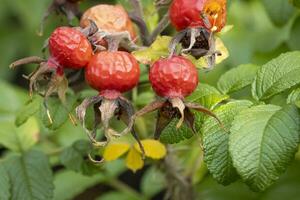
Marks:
<point>221,47</point>
<point>134,160</point>
<point>115,150</point>
<point>158,49</point>
<point>153,148</point>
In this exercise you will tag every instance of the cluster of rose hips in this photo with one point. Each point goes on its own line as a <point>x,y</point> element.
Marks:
<point>101,46</point>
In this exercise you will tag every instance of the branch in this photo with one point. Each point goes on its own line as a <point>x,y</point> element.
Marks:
<point>137,16</point>
<point>164,22</point>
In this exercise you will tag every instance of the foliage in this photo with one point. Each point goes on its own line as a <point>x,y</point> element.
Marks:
<point>254,90</point>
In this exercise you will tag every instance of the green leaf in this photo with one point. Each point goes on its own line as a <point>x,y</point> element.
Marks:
<point>215,142</point>
<point>11,99</point>
<point>21,138</point>
<point>207,96</point>
<point>58,112</point>
<point>237,78</point>
<point>171,134</point>
<point>30,176</point>
<point>152,182</point>
<point>158,49</point>
<point>74,156</point>
<point>280,11</point>
<point>4,183</point>
<point>296,3</point>
<point>69,184</point>
<point>294,39</point>
<point>294,97</point>
<point>30,108</point>
<point>144,98</point>
<point>262,143</point>
<point>277,75</point>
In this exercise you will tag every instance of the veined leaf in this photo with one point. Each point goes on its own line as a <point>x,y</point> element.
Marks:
<point>263,142</point>
<point>28,110</point>
<point>158,49</point>
<point>294,97</point>
<point>171,134</point>
<point>215,142</point>
<point>21,138</point>
<point>277,75</point>
<point>30,176</point>
<point>237,78</point>
<point>58,112</point>
<point>73,158</point>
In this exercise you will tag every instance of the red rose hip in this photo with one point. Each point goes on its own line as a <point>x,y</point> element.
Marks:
<point>70,48</point>
<point>173,77</point>
<point>112,73</point>
<point>189,14</point>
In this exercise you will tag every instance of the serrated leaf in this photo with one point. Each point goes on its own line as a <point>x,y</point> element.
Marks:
<point>294,97</point>
<point>237,78</point>
<point>280,11</point>
<point>171,134</point>
<point>73,158</point>
<point>30,176</point>
<point>4,183</point>
<point>262,143</point>
<point>28,110</point>
<point>158,49</point>
<point>277,75</point>
<point>21,138</point>
<point>69,184</point>
<point>59,113</point>
<point>207,96</point>
<point>215,142</point>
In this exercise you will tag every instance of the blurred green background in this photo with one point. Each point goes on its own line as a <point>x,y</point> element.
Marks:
<point>263,29</point>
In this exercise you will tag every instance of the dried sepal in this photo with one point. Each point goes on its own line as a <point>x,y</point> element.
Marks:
<point>65,7</point>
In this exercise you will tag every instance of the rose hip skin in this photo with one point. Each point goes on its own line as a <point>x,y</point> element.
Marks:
<point>69,48</point>
<point>173,77</point>
<point>110,18</point>
<point>112,73</point>
<point>188,13</point>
